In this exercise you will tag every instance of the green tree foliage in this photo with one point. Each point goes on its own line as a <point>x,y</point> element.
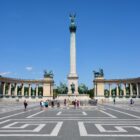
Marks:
<point>106,93</point>
<point>91,93</point>
<point>113,92</point>
<point>40,91</point>
<point>26,91</point>
<point>62,88</point>
<point>82,89</point>
<point>127,92</point>
<point>12,89</point>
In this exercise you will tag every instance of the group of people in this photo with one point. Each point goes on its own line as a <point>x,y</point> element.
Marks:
<point>76,103</point>
<point>49,102</point>
<point>131,101</point>
<point>44,104</point>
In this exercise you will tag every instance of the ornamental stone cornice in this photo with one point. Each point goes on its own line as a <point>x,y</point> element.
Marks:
<point>117,81</point>
<point>26,81</point>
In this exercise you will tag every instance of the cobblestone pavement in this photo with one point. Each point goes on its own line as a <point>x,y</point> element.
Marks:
<point>101,122</point>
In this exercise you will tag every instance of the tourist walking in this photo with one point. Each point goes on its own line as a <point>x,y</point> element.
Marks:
<point>114,101</point>
<point>46,104</point>
<point>65,102</point>
<point>52,103</point>
<point>25,104</point>
<point>78,103</point>
<point>58,103</point>
<point>131,101</point>
<point>41,104</point>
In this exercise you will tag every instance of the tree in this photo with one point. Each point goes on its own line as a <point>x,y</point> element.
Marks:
<point>40,91</point>
<point>91,93</point>
<point>62,88</point>
<point>114,92</point>
<point>106,93</point>
<point>82,89</point>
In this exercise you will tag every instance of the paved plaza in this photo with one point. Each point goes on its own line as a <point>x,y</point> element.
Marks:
<point>101,122</point>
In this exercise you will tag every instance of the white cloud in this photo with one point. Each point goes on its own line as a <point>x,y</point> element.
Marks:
<point>5,73</point>
<point>29,68</point>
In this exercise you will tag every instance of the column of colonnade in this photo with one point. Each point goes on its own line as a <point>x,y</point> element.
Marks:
<point>37,89</point>
<point>137,87</point>
<point>15,92</point>
<point>123,87</point>
<point>110,88</point>
<point>22,89</point>
<point>131,89</point>
<point>9,92</point>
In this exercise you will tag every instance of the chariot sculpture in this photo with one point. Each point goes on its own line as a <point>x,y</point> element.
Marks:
<point>48,74</point>
<point>99,73</point>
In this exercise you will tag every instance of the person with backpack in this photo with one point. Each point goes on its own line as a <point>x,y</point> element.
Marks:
<point>46,104</point>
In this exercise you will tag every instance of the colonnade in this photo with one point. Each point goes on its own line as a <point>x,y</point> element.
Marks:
<point>122,87</point>
<point>10,87</point>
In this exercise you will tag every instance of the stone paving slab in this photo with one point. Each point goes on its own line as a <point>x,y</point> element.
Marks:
<point>103,122</point>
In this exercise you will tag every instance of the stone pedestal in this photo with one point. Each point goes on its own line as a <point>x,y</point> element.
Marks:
<point>99,87</point>
<point>80,97</point>
<point>48,86</point>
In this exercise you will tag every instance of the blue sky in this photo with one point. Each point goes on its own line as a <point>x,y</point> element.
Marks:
<point>34,36</point>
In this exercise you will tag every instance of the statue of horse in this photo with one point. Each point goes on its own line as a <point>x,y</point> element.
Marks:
<point>99,73</point>
<point>48,74</point>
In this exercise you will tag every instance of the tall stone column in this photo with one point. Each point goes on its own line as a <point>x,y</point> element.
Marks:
<point>4,84</point>
<point>137,85</point>
<point>131,90</point>
<point>36,90</point>
<point>15,92</point>
<point>22,90</point>
<point>124,90</point>
<point>72,77</point>
<point>29,90</point>
<point>117,90</point>
<point>110,89</point>
<point>9,90</point>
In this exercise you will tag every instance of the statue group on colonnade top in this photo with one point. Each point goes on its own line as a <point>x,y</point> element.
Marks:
<point>100,73</point>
